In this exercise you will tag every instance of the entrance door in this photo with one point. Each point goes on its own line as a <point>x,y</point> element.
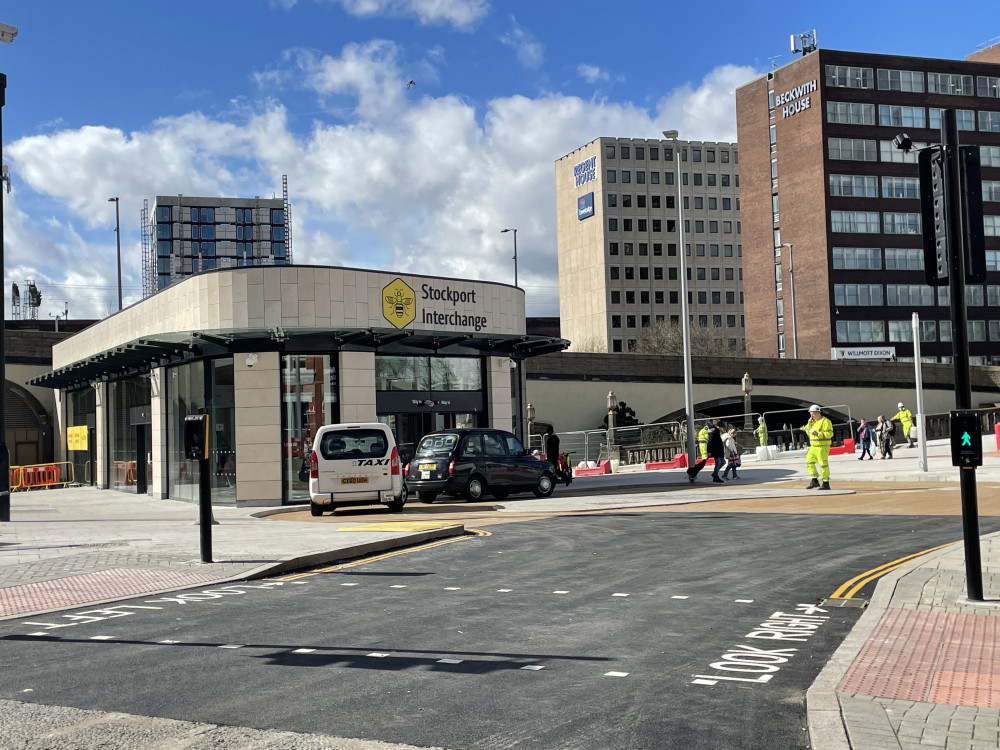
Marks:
<point>141,479</point>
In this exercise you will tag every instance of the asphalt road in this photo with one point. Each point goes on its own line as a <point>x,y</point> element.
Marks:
<point>619,630</point>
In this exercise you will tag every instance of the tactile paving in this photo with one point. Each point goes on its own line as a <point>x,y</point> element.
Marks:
<point>92,587</point>
<point>933,657</point>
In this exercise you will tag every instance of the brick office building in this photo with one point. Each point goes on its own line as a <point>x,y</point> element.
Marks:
<point>823,187</point>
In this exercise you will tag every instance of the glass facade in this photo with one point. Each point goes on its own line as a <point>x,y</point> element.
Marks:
<point>83,413</point>
<point>129,434</point>
<point>309,400</point>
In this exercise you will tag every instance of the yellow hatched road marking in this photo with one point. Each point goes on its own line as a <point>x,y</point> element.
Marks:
<point>399,526</point>
<point>354,563</point>
<point>854,585</point>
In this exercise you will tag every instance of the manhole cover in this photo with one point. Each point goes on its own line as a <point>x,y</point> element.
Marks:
<point>859,603</point>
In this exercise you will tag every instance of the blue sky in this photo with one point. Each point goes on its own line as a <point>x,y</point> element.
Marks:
<point>123,98</point>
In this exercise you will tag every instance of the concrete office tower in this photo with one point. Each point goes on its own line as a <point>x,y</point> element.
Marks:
<point>184,235</point>
<point>618,239</point>
<point>824,189</point>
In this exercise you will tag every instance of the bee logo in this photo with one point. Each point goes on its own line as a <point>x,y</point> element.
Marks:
<point>398,303</point>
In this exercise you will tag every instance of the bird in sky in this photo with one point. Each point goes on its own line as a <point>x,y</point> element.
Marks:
<point>411,83</point>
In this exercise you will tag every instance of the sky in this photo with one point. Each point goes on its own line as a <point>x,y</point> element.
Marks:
<point>223,97</point>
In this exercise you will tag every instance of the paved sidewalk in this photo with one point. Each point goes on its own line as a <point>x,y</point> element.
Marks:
<point>76,546</point>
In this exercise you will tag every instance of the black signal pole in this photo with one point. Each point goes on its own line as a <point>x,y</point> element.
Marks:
<point>958,238</point>
<point>4,453</point>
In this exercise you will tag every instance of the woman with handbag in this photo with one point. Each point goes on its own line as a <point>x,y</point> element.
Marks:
<point>732,453</point>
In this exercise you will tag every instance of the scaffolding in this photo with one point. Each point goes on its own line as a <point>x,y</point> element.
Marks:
<point>148,256</point>
<point>288,220</point>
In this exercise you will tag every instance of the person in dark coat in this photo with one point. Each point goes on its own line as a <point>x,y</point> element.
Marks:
<point>717,451</point>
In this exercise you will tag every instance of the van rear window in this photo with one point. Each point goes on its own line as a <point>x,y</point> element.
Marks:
<point>346,444</point>
<point>436,444</point>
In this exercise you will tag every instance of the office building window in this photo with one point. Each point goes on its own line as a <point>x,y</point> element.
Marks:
<point>965,119</point>
<point>860,331</point>
<point>854,185</point>
<point>612,200</point>
<point>858,258</point>
<point>654,178</point>
<point>609,152</point>
<point>950,83</point>
<point>630,321</point>
<point>612,225</point>
<point>909,295</point>
<point>625,152</point>
<point>989,156</point>
<point>654,153</point>
<point>658,273</point>
<point>900,330</point>
<point>991,226</point>
<point>725,180</point>
<point>629,273</point>
<point>612,248</point>
<point>616,321</point>
<point>900,223</point>
<point>657,225</point>
<point>644,321</point>
<point>640,201</point>
<point>849,77</point>
<point>697,179</point>
<point>850,113</point>
<point>988,86</point>
<point>658,298</point>
<point>626,176</point>
<point>991,190</point>
<point>616,346</point>
<point>989,122</point>
<point>852,149</point>
<point>643,248</point>
<point>889,153</point>
<point>854,295</point>
<point>657,249</point>
<point>715,275</point>
<point>640,178</point>
<point>616,297</point>
<point>640,153</point>
<point>900,187</point>
<point>642,225</point>
<point>730,297</point>
<point>855,221</point>
<point>612,175</point>
<point>643,274</point>
<point>901,117</point>
<point>613,272</point>
<point>629,298</point>
<point>900,80</point>
<point>729,274</point>
<point>727,204</point>
<point>626,225</point>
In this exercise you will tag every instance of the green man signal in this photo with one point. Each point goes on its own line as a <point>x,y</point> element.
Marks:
<point>966,438</point>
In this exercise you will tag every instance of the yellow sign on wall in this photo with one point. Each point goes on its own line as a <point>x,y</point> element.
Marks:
<point>398,303</point>
<point>76,438</point>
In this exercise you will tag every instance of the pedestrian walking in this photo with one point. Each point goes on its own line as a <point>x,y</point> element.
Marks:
<point>820,432</point>
<point>905,417</point>
<point>761,431</point>
<point>865,436</point>
<point>692,471</point>
<point>732,454</point>
<point>717,451</point>
<point>885,430</point>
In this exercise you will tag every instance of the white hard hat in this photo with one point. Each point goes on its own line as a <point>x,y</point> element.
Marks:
<point>899,405</point>
<point>815,407</point>
<point>760,420</point>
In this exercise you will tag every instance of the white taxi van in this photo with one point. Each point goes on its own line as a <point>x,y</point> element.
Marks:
<point>355,464</point>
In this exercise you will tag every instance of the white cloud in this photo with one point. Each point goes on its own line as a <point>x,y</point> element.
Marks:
<point>412,184</point>
<point>530,52</point>
<point>591,73</point>
<point>462,14</point>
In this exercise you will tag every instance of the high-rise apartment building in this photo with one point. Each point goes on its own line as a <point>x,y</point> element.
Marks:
<point>183,235</point>
<point>617,214</point>
<point>832,222</point>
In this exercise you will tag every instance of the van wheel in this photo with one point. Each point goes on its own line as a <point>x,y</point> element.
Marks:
<point>316,510</point>
<point>396,506</point>
<point>427,497</point>
<point>545,486</point>
<point>475,489</point>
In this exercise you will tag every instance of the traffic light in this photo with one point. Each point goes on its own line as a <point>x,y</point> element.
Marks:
<point>972,215</point>
<point>966,438</point>
<point>933,214</point>
<point>196,436</point>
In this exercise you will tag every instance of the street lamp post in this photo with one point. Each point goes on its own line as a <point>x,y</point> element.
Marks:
<point>791,292</point>
<point>7,34</point>
<point>747,385</point>
<point>612,406</point>
<point>515,251</point>
<point>530,413</point>
<point>118,236</point>
<point>685,318</point>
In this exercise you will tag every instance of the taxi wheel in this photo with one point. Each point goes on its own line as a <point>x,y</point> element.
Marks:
<point>316,510</point>
<point>396,506</point>
<point>546,485</point>
<point>427,497</point>
<point>475,489</point>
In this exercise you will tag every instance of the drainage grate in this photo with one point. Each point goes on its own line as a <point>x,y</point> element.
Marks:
<point>835,603</point>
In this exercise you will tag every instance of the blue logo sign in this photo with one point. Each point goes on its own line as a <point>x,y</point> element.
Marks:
<point>585,206</point>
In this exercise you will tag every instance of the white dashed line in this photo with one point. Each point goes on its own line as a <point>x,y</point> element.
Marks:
<point>298,583</point>
<point>616,674</point>
<point>378,654</point>
<point>679,597</point>
<point>348,584</point>
<point>505,591</point>
<point>101,637</point>
<point>744,601</point>
<point>449,661</point>
<point>560,592</point>
<point>303,651</point>
<point>232,645</point>
<point>39,633</point>
<point>169,641</point>
<point>533,667</point>
<point>704,682</point>
<point>452,588</point>
<point>398,586</point>
<point>619,595</point>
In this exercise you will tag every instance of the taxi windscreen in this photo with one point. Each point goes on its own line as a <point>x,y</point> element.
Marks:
<point>433,445</point>
<point>347,444</point>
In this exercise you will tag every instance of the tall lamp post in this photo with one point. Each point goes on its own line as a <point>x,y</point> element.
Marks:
<point>530,413</point>
<point>118,236</point>
<point>7,34</point>
<point>791,292</point>
<point>515,251</point>
<point>612,406</point>
<point>747,385</point>
<point>685,318</point>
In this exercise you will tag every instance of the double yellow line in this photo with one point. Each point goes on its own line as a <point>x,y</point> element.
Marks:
<point>384,556</point>
<point>849,588</point>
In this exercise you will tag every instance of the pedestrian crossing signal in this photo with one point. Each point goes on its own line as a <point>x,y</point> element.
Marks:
<point>966,438</point>
<point>196,436</point>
